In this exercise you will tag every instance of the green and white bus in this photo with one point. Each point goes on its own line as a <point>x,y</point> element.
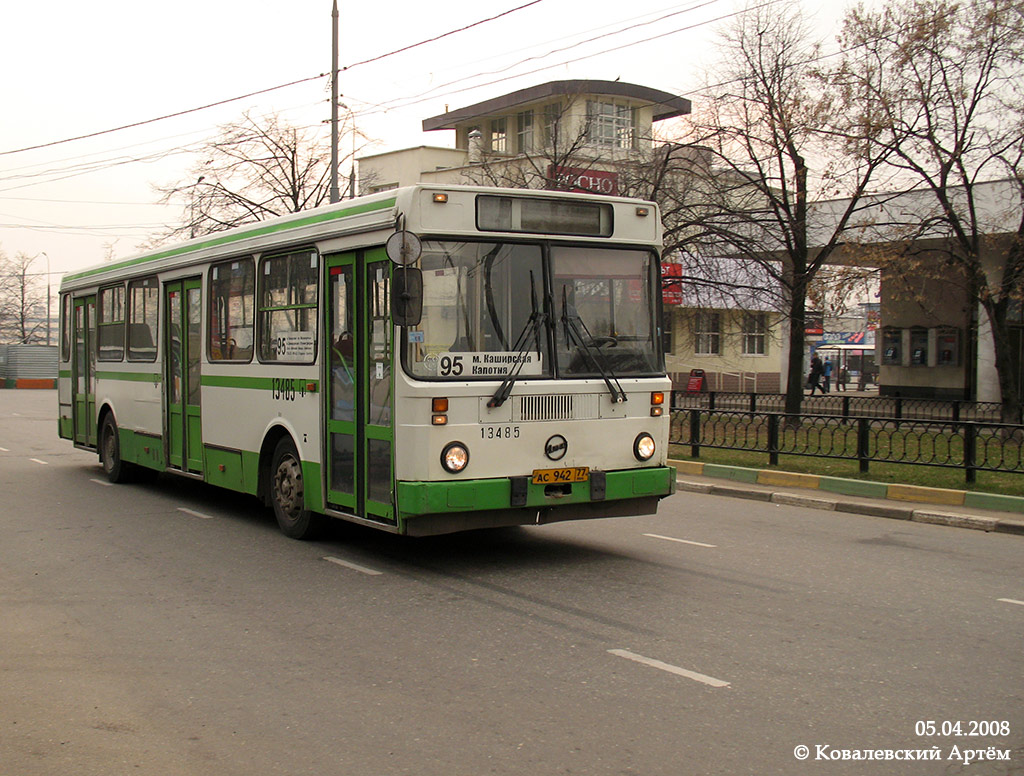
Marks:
<point>424,360</point>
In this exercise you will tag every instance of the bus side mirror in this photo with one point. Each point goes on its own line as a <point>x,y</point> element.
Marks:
<point>407,296</point>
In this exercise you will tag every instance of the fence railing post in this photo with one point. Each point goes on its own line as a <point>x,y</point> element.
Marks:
<point>711,399</point>
<point>695,433</point>
<point>753,402</point>
<point>970,452</point>
<point>773,439</point>
<point>863,448</point>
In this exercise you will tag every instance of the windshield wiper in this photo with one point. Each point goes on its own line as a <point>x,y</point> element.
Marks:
<point>573,324</point>
<point>534,323</point>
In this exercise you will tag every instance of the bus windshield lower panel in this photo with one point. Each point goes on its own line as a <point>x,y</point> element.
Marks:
<point>491,309</point>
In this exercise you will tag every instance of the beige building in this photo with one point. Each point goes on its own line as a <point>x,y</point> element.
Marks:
<point>570,135</point>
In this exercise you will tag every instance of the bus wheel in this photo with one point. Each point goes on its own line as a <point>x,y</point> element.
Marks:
<point>110,452</point>
<point>287,493</point>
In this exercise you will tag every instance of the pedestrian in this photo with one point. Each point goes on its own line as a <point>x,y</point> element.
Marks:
<point>814,378</point>
<point>844,377</point>
<point>827,372</point>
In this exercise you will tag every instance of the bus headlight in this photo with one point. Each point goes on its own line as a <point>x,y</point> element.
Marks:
<point>643,447</point>
<point>454,457</point>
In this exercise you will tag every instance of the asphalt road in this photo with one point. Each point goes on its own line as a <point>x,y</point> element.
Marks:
<point>168,628</point>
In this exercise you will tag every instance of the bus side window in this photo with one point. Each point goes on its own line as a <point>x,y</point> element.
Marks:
<point>65,329</point>
<point>143,317</point>
<point>232,301</point>
<point>287,307</point>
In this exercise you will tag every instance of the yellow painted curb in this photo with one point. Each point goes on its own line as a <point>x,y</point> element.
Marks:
<point>787,479</point>
<point>952,498</point>
<point>688,467</point>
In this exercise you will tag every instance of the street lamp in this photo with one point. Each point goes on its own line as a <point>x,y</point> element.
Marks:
<point>44,253</point>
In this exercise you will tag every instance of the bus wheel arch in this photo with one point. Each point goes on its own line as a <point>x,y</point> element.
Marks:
<point>281,486</point>
<point>109,447</point>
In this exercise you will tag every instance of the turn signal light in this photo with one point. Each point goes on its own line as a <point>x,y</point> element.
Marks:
<point>439,420</point>
<point>657,397</point>
<point>439,405</point>
<point>440,198</point>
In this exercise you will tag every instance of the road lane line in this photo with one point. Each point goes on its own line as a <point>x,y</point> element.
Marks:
<point>4,450</point>
<point>36,460</point>
<point>702,678</point>
<point>353,566</point>
<point>681,541</point>
<point>1011,601</point>
<point>101,482</point>
<point>195,514</point>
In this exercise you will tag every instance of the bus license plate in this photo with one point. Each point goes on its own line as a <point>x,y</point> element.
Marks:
<point>555,476</point>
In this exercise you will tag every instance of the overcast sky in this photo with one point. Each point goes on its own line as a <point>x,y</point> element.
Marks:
<point>72,68</point>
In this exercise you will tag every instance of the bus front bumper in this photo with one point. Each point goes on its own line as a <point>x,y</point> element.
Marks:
<point>427,508</point>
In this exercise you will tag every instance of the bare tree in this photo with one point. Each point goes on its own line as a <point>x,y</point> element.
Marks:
<point>940,85</point>
<point>253,170</point>
<point>772,147</point>
<point>22,300</point>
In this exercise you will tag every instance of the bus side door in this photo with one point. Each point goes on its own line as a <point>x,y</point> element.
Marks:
<point>183,369</point>
<point>359,395</point>
<point>83,371</point>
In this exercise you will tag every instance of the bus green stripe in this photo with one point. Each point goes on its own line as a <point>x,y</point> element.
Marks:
<point>132,377</point>
<point>228,238</point>
<point>254,383</point>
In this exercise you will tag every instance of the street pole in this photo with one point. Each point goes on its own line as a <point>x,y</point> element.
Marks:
<point>47,298</point>
<point>335,195</point>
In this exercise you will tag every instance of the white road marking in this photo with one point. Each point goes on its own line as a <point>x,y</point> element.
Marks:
<point>195,514</point>
<point>1011,601</point>
<point>101,482</point>
<point>681,541</point>
<point>36,460</point>
<point>353,566</point>
<point>702,678</point>
<point>4,450</point>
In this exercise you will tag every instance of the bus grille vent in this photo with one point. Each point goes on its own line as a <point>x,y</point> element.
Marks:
<point>555,407</point>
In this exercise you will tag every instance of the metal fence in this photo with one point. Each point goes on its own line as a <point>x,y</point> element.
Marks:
<point>847,406</point>
<point>969,445</point>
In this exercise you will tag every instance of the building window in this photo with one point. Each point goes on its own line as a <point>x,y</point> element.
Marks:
<point>755,334</point>
<point>524,131</point>
<point>552,118</point>
<point>499,135</point>
<point>666,332</point>
<point>708,339</point>
<point>611,124</point>
<point>111,328</point>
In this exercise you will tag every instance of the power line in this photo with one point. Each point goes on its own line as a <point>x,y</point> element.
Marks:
<point>441,36</point>
<point>163,118</point>
<point>264,91</point>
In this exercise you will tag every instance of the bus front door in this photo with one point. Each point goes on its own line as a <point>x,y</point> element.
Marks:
<point>183,417</point>
<point>83,366</point>
<point>359,396</point>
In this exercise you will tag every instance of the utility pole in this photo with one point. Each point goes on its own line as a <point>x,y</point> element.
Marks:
<point>335,195</point>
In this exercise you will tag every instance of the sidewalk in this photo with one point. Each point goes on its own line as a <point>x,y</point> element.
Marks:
<point>958,508</point>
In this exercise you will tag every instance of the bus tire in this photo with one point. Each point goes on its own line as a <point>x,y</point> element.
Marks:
<point>287,493</point>
<point>110,452</point>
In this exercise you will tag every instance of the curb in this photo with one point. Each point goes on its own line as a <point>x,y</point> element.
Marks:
<point>840,486</point>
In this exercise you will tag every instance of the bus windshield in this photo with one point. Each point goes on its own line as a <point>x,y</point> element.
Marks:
<point>604,300</point>
<point>487,313</point>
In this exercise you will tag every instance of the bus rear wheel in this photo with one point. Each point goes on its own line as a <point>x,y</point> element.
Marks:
<point>287,493</point>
